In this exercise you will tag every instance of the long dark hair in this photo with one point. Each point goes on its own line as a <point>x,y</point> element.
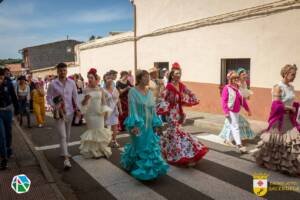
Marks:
<point>139,76</point>
<point>171,74</point>
<point>123,73</point>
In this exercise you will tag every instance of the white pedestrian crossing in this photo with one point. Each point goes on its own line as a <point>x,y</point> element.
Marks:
<point>209,185</point>
<point>211,137</point>
<point>120,184</point>
<point>247,167</point>
<point>55,146</point>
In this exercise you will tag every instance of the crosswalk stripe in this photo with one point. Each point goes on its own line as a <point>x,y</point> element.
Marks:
<point>116,181</point>
<point>55,146</point>
<point>209,185</point>
<point>211,137</point>
<point>120,184</point>
<point>247,167</point>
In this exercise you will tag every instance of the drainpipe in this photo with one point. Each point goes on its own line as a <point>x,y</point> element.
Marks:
<point>134,36</point>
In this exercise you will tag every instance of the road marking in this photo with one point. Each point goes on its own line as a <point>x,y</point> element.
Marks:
<point>55,146</point>
<point>211,138</point>
<point>247,167</point>
<point>253,150</point>
<point>209,185</point>
<point>116,181</point>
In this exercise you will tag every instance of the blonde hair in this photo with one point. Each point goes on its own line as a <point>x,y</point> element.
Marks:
<point>231,75</point>
<point>286,69</point>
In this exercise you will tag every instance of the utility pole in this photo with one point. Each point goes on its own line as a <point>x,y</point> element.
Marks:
<point>134,36</point>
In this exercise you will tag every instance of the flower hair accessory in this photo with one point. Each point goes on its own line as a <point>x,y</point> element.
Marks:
<point>176,66</point>
<point>92,71</point>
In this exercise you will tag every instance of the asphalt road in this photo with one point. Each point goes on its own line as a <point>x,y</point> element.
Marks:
<point>222,174</point>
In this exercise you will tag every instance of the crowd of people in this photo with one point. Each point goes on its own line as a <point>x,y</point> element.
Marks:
<point>150,107</point>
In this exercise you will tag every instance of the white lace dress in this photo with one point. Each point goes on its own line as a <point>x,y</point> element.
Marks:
<point>95,140</point>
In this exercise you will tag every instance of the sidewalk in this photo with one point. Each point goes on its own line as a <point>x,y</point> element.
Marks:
<point>208,122</point>
<point>24,161</point>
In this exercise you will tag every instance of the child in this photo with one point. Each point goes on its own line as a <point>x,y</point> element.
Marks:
<point>38,97</point>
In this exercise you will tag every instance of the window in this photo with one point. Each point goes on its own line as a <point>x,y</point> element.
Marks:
<point>233,64</point>
<point>161,66</point>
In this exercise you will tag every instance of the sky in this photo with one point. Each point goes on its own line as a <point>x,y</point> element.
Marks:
<point>42,21</point>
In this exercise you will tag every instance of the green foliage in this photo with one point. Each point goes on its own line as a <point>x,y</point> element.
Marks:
<point>10,61</point>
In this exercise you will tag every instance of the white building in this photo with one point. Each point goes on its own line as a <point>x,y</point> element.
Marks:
<point>113,52</point>
<point>208,37</point>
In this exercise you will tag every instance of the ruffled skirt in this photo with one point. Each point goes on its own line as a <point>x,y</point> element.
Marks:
<point>181,148</point>
<point>245,130</point>
<point>94,143</point>
<point>279,151</point>
<point>145,163</point>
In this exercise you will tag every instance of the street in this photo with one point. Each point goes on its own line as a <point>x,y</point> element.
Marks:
<point>222,174</point>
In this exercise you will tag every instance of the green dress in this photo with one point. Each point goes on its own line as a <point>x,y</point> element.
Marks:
<point>142,157</point>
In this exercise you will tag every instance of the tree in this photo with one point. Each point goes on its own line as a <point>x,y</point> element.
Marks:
<point>10,61</point>
<point>92,37</point>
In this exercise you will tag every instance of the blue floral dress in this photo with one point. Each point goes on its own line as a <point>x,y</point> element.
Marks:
<point>142,158</point>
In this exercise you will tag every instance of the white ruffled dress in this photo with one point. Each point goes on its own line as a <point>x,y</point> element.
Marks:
<point>95,140</point>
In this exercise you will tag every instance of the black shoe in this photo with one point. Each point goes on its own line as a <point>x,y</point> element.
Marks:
<point>3,165</point>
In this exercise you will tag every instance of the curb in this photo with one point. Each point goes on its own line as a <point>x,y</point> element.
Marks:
<point>42,161</point>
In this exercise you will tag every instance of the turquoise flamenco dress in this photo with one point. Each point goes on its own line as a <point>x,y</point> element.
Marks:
<point>142,157</point>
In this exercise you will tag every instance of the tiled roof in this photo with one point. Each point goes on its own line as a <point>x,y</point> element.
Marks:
<point>14,67</point>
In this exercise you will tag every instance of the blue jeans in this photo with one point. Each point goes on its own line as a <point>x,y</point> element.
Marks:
<point>5,133</point>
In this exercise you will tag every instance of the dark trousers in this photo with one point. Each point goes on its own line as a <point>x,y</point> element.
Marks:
<point>24,110</point>
<point>5,133</point>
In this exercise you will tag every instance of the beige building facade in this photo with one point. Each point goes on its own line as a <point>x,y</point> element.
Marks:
<point>208,38</point>
<point>113,52</point>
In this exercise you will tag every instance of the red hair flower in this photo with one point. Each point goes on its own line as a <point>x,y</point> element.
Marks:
<point>92,71</point>
<point>176,66</point>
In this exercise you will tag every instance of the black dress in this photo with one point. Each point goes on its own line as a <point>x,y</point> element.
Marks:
<point>124,103</point>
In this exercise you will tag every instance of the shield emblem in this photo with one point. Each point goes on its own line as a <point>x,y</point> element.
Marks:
<point>260,185</point>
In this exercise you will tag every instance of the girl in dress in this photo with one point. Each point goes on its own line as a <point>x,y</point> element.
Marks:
<point>232,101</point>
<point>142,158</point>
<point>279,148</point>
<point>179,147</point>
<point>38,98</point>
<point>123,86</point>
<point>95,141</point>
<point>113,101</point>
<point>245,131</point>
